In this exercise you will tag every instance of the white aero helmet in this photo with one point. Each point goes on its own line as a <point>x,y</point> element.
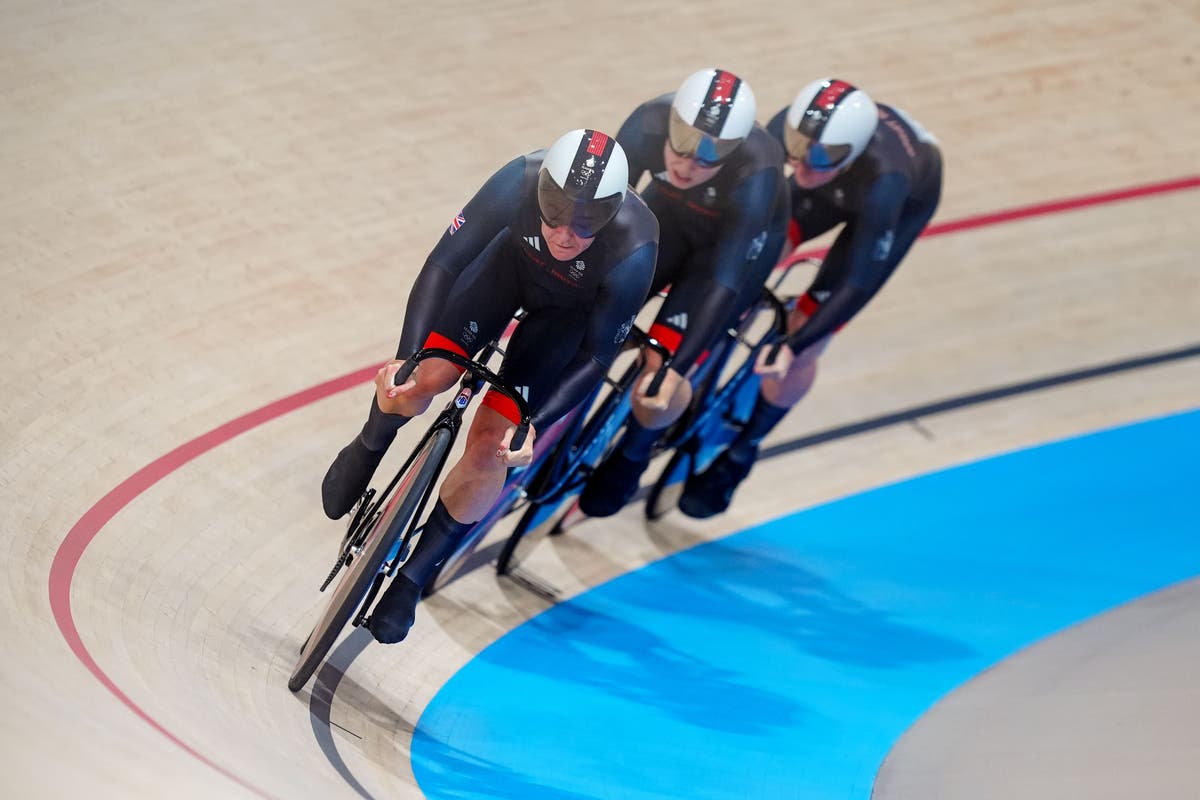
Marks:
<point>829,124</point>
<point>712,113</point>
<point>582,181</point>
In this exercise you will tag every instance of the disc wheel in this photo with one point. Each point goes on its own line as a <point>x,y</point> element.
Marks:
<point>366,564</point>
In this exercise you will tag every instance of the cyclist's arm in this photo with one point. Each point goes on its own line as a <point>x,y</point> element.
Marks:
<point>486,216</point>
<point>743,234</point>
<point>868,265</point>
<point>617,303</point>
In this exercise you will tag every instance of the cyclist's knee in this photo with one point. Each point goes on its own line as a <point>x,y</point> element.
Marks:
<point>655,417</point>
<point>433,377</point>
<point>801,376</point>
<point>485,437</point>
<point>652,363</point>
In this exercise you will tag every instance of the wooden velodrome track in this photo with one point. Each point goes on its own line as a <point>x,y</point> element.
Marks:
<point>210,207</point>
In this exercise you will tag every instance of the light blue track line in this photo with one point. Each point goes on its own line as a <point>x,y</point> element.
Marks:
<point>785,660</point>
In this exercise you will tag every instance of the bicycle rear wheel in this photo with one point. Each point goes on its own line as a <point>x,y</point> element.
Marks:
<point>383,531</point>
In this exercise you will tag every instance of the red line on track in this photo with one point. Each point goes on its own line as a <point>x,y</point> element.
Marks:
<point>71,549</point>
<point>66,559</point>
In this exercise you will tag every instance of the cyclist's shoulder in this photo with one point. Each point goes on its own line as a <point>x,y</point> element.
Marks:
<point>634,226</point>
<point>761,154</point>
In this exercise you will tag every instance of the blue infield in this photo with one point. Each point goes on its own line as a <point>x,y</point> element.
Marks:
<point>785,660</point>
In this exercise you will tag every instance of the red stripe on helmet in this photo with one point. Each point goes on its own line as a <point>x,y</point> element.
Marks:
<point>832,94</point>
<point>723,87</point>
<point>598,143</point>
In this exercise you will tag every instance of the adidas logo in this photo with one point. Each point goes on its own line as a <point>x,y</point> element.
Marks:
<point>523,391</point>
<point>534,242</point>
<point>678,320</point>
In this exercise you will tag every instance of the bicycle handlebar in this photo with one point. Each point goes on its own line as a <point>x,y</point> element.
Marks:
<point>480,372</point>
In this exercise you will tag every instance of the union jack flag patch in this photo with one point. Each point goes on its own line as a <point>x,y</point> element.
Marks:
<point>459,221</point>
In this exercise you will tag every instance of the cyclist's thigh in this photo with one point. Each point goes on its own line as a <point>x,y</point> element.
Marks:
<point>481,303</point>
<point>688,287</point>
<point>541,347</point>
<point>813,214</point>
<point>833,269</point>
<point>673,252</point>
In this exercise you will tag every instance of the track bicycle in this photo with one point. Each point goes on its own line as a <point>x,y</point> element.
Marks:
<point>383,527</point>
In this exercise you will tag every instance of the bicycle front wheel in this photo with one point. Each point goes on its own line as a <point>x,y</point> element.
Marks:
<point>382,534</point>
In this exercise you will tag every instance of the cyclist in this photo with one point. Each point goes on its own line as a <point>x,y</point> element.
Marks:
<point>556,233</point>
<point>876,172</point>
<point>718,189</point>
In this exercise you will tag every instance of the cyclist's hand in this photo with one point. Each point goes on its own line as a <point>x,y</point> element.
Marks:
<point>779,369</point>
<point>666,391</point>
<point>385,393</point>
<point>520,458</point>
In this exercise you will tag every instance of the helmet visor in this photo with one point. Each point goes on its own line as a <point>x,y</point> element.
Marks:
<point>814,154</point>
<point>690,142</point>
<point>584,217</point>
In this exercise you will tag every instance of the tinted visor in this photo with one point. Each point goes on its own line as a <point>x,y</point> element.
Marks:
<point>584,217</point>
<point>816,155</point>
<point>690,142</point>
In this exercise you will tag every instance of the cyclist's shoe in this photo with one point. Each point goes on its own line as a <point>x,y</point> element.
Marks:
<point>348,477</point>
<point>395,611</point>
<point>613,484</point>
<point>708,493</point>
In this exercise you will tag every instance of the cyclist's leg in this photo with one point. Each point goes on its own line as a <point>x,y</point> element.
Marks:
<point>810,216</point>
<point>706,494</point>
<point>615,480</point>
<point>481,302</point>
<point>710,492</point>
<point>470,487</point>
<point>541,346</point>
